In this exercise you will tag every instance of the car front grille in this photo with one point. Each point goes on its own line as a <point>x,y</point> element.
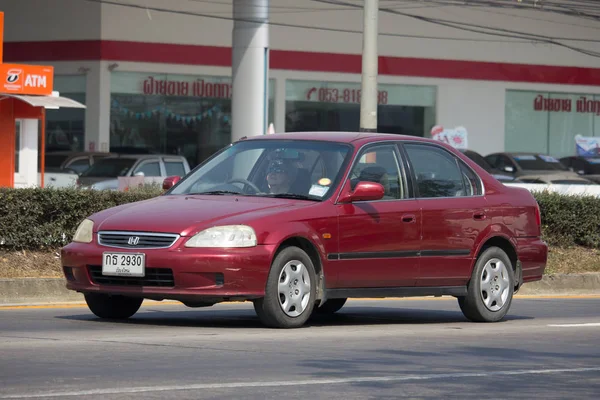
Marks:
<point>156,277</point>
<point>137,240</point>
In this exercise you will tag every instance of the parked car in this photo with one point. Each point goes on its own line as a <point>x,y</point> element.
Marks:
<point>521,163</point>
<point>154,168</point>
<point>556,179</point>
<point>482,162</point>
<point>77,161</point>
<point>62,168</point>
<point>298,223</point>
<point>587,167</point>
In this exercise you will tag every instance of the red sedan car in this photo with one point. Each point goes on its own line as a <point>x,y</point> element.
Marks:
<point>299,222</point>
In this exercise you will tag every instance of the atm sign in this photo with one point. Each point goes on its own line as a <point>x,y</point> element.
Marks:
<point>26,79</point>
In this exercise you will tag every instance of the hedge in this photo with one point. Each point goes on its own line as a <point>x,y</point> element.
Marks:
<point>46,219</point>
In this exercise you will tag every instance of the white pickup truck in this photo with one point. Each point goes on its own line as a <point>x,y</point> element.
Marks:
<point>62,168</point>
<point>105,174</point>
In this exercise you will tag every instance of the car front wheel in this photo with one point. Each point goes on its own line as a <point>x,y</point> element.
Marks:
<point>290,290</point>
<point>491,288</point>
<point>112,307</point>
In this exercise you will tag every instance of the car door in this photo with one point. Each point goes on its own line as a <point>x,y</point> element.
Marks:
<point>450,196</point>
<point>379,240</point>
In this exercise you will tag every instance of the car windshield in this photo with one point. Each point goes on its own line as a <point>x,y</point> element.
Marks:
<point>298,169</point>
<point>479,160</point>
<point>109,167</point>
<point>538,162</point>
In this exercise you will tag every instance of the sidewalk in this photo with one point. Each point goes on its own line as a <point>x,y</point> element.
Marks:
<point>27,291</point>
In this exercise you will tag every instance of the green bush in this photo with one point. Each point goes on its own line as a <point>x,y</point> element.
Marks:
<point>46,219</point>
<point>570,220</point>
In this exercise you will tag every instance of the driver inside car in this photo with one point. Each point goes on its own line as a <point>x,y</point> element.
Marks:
<point>281,174</point>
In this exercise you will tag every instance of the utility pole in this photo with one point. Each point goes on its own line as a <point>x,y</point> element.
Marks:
<point>250,68</point>
<point>369,92</point>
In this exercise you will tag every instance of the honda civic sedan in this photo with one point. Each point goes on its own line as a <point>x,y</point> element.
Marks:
<point>297,223</point>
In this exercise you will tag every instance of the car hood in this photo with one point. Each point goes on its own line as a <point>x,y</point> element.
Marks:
<point>186,215</point>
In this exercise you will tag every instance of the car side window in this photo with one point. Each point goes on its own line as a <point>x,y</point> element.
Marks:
<point>438,173</point>
<point>151,168</point>
<point>380,164</point>
<point>174,168</point>
<point>472,183</point>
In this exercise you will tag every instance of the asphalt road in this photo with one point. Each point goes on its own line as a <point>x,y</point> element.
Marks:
<point>546,349</point>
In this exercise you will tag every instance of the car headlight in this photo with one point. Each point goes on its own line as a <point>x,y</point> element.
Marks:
<point>224,236</point>
<point>84,232</point>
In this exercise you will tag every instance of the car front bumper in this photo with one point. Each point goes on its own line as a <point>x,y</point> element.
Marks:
<point>177,273</point>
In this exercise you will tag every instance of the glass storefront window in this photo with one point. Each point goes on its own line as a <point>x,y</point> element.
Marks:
<point>547,122</point>
<point>65,127</point>
<point>173,114</point>
<point>335,106</point>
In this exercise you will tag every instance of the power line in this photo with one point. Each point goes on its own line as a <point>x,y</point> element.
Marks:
<point>286,25</point>
<point>475,28</point>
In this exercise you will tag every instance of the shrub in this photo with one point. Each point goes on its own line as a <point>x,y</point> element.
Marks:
<point>46,219</point>
<point>570,220</point>
<point>39,219</point>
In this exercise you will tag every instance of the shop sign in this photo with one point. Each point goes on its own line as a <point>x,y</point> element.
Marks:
<point>341,95</point>
<point>195,88</point>
<point>583,105</point>
<point>350,93</point>
<point>456,137</point>
<point>26,79</point>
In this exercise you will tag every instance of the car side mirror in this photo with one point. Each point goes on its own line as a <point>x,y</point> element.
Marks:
<point>364,191</point>
<point>508,168</point>
<point>581,172</point>
<point>139,174</point>
<point>170,181</point>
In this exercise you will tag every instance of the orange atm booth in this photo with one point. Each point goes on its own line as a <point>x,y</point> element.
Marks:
<point>26,91</point>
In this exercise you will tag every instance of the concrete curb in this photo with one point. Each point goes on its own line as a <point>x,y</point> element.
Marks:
<point>36,291</point>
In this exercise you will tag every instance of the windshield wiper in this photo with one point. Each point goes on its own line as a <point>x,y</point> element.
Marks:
<point>219,192</point>
<point>291,196</point>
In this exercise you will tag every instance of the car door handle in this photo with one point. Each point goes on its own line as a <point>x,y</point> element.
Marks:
<point>479,215</point>
<point>408,218</point>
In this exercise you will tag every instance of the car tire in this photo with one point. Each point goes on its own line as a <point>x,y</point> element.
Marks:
<point>491,288</point>
<point>112,307</point>
<point>331,306</point>
<point>290,290</point>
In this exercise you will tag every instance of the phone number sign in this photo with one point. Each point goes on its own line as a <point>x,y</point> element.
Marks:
<point>341,95</point>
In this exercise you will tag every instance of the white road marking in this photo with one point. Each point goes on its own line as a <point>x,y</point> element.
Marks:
<point>576,325</point>
<point>332,381</point>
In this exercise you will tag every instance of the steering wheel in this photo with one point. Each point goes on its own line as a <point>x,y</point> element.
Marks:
<point>245,182</point>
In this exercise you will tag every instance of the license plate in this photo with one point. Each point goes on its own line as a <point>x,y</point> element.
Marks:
<point>123,264</point>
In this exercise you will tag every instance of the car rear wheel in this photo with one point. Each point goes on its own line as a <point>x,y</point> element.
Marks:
<point>330,306</point>
<point>112,307</point>
<point>290,290</point>
<point>491,288</point>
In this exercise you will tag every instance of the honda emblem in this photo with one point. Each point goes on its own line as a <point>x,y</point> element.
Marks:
<point>133,241</point>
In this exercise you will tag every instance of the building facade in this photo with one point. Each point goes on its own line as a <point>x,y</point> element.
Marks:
<point>161,79</point>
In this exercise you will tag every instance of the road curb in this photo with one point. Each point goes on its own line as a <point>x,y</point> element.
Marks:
<point>36,291</point>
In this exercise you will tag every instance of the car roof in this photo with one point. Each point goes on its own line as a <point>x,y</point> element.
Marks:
<point>141,156</point>
<point>76,153</point>
<point>340,137</point>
